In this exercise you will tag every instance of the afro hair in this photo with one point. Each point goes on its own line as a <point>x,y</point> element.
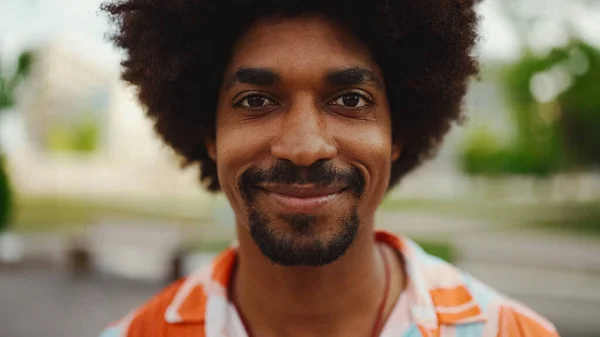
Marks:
<point>177,51</point>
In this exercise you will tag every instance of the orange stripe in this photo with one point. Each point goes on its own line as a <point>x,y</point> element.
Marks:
<point>429,333</point>
<point>452,297</point>
<point>390,239</point>
<point>513,323</point>
<point>223,266</point>
<point>447,318</point>
<point>193,307</point>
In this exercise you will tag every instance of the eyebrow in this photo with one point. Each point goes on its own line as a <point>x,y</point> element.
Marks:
<point>352,76</point>
<point>253,76</point>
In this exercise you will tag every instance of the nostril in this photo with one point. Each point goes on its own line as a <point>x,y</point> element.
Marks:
<point>303,150</point>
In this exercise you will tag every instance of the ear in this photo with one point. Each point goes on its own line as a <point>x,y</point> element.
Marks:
<point>396,149</point>
<point>211,147</point>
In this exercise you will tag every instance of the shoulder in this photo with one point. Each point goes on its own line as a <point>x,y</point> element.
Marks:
<point>180,309</point>
<point>506,317</point>
<point>148,317</point>
<point>453,300</point>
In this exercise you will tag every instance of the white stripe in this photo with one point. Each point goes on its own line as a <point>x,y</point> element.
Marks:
<point>444,276</point>
<point>216,316</point>
<point>448,331</point>
<point>400,320</point>
<point>493,314</point>
<point>200,277</point>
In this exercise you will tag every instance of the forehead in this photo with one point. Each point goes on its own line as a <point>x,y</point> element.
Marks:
<point>303,43</point>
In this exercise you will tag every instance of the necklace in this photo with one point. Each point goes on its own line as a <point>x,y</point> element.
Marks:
<point>379,320</point>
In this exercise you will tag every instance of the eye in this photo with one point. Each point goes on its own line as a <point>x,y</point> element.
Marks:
<point>351,100</point>
<point>254,101</point>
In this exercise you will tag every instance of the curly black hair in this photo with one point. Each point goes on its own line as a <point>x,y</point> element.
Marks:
<point>177,51</point>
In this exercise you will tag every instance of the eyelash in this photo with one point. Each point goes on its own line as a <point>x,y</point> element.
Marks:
<point>239,102</point>
<point>353,92</point>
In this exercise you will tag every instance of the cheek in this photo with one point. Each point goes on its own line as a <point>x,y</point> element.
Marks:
<point>235,149</point>
<point>238,146</point>
<point>369,146</point>
<point>372,150</point>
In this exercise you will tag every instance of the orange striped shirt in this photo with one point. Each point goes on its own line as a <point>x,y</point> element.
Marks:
<point>443,302</point>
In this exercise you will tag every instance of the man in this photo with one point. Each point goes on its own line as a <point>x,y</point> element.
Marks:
<point>304,113</point>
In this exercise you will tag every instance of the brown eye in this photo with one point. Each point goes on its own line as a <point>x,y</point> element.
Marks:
<point>255,101</point>
<point>351,100</point>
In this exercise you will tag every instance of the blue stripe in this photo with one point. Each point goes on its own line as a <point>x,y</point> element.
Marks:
<point>469,330</point>
<point>412,331</point>
<point>482,293</point>
<point>462,330</point>
<point>116,331</point>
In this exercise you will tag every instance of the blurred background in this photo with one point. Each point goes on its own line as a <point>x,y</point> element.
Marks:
<point>96,216</point>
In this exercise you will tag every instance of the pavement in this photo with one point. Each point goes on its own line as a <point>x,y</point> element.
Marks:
<point>41,301</point>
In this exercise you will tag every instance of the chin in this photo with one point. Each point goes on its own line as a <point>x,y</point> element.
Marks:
<point>299,239</point>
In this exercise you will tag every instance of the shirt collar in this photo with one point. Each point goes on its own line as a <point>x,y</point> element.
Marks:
<point>438,291</point>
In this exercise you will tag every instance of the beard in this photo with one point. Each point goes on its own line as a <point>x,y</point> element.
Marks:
<point>299,248</point>
<point>300,244</point>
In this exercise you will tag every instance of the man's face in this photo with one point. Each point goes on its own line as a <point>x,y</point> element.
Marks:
<point>303,138</point>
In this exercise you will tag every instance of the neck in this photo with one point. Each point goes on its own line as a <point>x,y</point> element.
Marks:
<point>321,301</point>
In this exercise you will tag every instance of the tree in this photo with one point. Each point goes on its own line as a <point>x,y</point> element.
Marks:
<point>8,86</point>
<point>581,106</point>
<point>5,196</point>
<point>553,100</point>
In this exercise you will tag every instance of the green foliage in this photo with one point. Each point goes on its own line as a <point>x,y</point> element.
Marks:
<point>24,63</point>
<point>5,97</point>
<point>9,84</point>
<point>5,196</point>
<point>581,106</point>
<point>82,137</point>
<point>7,100</point>
<point>483,153</point>
<point>555,108</point>
<point>210,246</point>
<point>443,250</point>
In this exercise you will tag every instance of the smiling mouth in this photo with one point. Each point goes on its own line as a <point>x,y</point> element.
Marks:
<point>302,198</point>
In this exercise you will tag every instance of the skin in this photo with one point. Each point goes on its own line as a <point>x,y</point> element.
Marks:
<point>304,119</point>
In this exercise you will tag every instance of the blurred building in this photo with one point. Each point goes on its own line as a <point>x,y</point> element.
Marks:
<point>84,133</point>
<point>62,91</point>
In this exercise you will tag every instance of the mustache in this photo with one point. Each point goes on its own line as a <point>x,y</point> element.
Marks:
<point>322,173</point>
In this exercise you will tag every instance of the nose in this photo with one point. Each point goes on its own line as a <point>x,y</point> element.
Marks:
<point>303,137</point>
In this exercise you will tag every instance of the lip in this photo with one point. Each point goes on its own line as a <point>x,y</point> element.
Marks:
<point>302,198</point>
